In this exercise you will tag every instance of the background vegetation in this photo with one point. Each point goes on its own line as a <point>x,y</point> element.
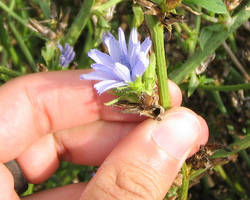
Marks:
<point>207,54</point>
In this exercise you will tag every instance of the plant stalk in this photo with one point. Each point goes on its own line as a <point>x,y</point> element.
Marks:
<point>226,88</point>
<point>23,46</point>
<point>157,34</point>
<point>9,72</point>
<point>79,23</point>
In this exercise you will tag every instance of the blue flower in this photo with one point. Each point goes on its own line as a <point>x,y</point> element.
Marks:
<point>124,63</point>
<point>67,54</point>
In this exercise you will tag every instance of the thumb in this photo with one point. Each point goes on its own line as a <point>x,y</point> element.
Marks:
<point>144,165</point>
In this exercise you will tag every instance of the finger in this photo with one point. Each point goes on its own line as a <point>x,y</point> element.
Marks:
<point>203,136</point>
<point>72,192</point>
<point>145,163</point>
<point>34,105</point>
<point>87,145</point>
<point>7,184</point>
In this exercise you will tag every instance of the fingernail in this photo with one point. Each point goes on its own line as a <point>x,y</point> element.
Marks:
<point>177,133</point>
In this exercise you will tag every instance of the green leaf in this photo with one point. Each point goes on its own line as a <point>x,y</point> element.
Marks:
<point>179,74</point>
<point>138,16</point>
<point>150,75</point>
<point>45,6</point>
<point>193,83</point>
<point>216,6</point>
<point>48,53</point>
<point>233,148</point>
<point>207,32</point>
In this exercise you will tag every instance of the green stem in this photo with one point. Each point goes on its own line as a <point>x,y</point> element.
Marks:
<point>12,4</point>
<point>5,40</point>
<point>157,34</point>
<point>219,102</point>
<point>235,186</point>
<point>186,28</point>
<point>218,38</point>
<point>209,18</point>
<point>226,88</point>
<point>108,4</point>
<point>29,191</point>
<point>185,183</point>
<point>9,72</point>
<point>243,153</point>
<point>79,23</point>
<point>195,34</point>
<point>23,46</point>
<point>12,14</point>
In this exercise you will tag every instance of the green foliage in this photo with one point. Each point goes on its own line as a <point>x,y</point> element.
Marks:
<point>138,16</point>
<point>207,33</point>
<point>216,6</point>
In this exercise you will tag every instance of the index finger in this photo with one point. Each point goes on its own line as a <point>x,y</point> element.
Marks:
<point>41,103</point>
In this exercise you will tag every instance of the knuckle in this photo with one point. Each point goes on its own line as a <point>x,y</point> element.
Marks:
<point>139,181</point>
<point>129,182</point>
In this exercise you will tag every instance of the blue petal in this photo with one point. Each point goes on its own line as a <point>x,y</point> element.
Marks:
<point>59,46</point>
<point>97,66</point>
<point>68,50</point>
<point>133,38</point>
<point>106,69</point>
<point>122,42</point>
<point>71,56</point>
<point>62,61</point>
<point>122,72</point>
<point>98,75</point>
<point>146,45</point>
<point>133,55</point>
<point>107,85</point>
<point>140,67</point>
<point>113,46</point>
<point>100,57</point>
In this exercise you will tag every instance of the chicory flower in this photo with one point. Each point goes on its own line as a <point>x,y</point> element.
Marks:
<point>67,54</point>
<point>123,65</point>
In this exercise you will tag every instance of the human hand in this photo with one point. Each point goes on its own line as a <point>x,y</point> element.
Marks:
<point>48,117</point>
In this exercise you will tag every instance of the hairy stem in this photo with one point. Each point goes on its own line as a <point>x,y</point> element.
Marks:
<point>157,34</point>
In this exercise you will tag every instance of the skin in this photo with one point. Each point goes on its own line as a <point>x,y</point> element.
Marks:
<point>53,116</point>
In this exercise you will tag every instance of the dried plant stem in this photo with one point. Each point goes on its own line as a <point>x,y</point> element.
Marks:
<point>236,61</point>
<point>156,30</point>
